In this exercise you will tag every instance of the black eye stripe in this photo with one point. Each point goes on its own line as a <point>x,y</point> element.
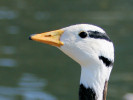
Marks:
<point>95,32</point>
<point>98,35</point>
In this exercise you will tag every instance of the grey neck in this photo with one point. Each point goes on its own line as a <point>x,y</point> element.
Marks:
<point>105,90</point>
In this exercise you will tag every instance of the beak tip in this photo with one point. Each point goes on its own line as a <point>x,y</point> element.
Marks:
<point>30,37</point>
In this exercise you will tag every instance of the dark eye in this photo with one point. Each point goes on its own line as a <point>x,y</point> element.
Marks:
<point>83,34</point>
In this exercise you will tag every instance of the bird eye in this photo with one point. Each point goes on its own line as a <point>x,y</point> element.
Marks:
<point>83,34</point>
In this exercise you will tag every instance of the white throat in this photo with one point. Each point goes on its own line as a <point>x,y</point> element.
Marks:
<point>94,77</point>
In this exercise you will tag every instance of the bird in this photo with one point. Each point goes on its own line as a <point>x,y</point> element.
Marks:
<point>90,46</point>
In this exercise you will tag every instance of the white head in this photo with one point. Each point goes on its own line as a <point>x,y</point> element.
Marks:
<point>86,49</point>
<point>88,45</point>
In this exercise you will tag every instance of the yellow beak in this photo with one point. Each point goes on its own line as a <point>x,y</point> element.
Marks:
<point>51,38</point>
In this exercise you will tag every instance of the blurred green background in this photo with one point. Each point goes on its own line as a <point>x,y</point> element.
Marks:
<point>35,71</point>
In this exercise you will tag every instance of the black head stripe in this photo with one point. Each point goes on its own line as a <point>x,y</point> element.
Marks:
<point>86,93</point>
<point>106,61</point>
<point>98,35</point>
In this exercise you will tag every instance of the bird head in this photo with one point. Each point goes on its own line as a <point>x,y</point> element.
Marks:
<point>84,43</point>
<point>90,46</point>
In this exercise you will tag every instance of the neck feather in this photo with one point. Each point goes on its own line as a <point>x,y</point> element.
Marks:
<point>93,82</point>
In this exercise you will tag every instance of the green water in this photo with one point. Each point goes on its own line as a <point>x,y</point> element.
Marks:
<point>35,71</point>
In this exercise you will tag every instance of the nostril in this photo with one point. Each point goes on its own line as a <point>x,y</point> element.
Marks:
<point>48,35</point>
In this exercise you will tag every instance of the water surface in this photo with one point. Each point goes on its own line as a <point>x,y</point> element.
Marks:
<point>35,71</point>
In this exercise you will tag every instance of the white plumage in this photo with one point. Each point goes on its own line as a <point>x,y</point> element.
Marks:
<point>94,72</point>
<point>89,46</point>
